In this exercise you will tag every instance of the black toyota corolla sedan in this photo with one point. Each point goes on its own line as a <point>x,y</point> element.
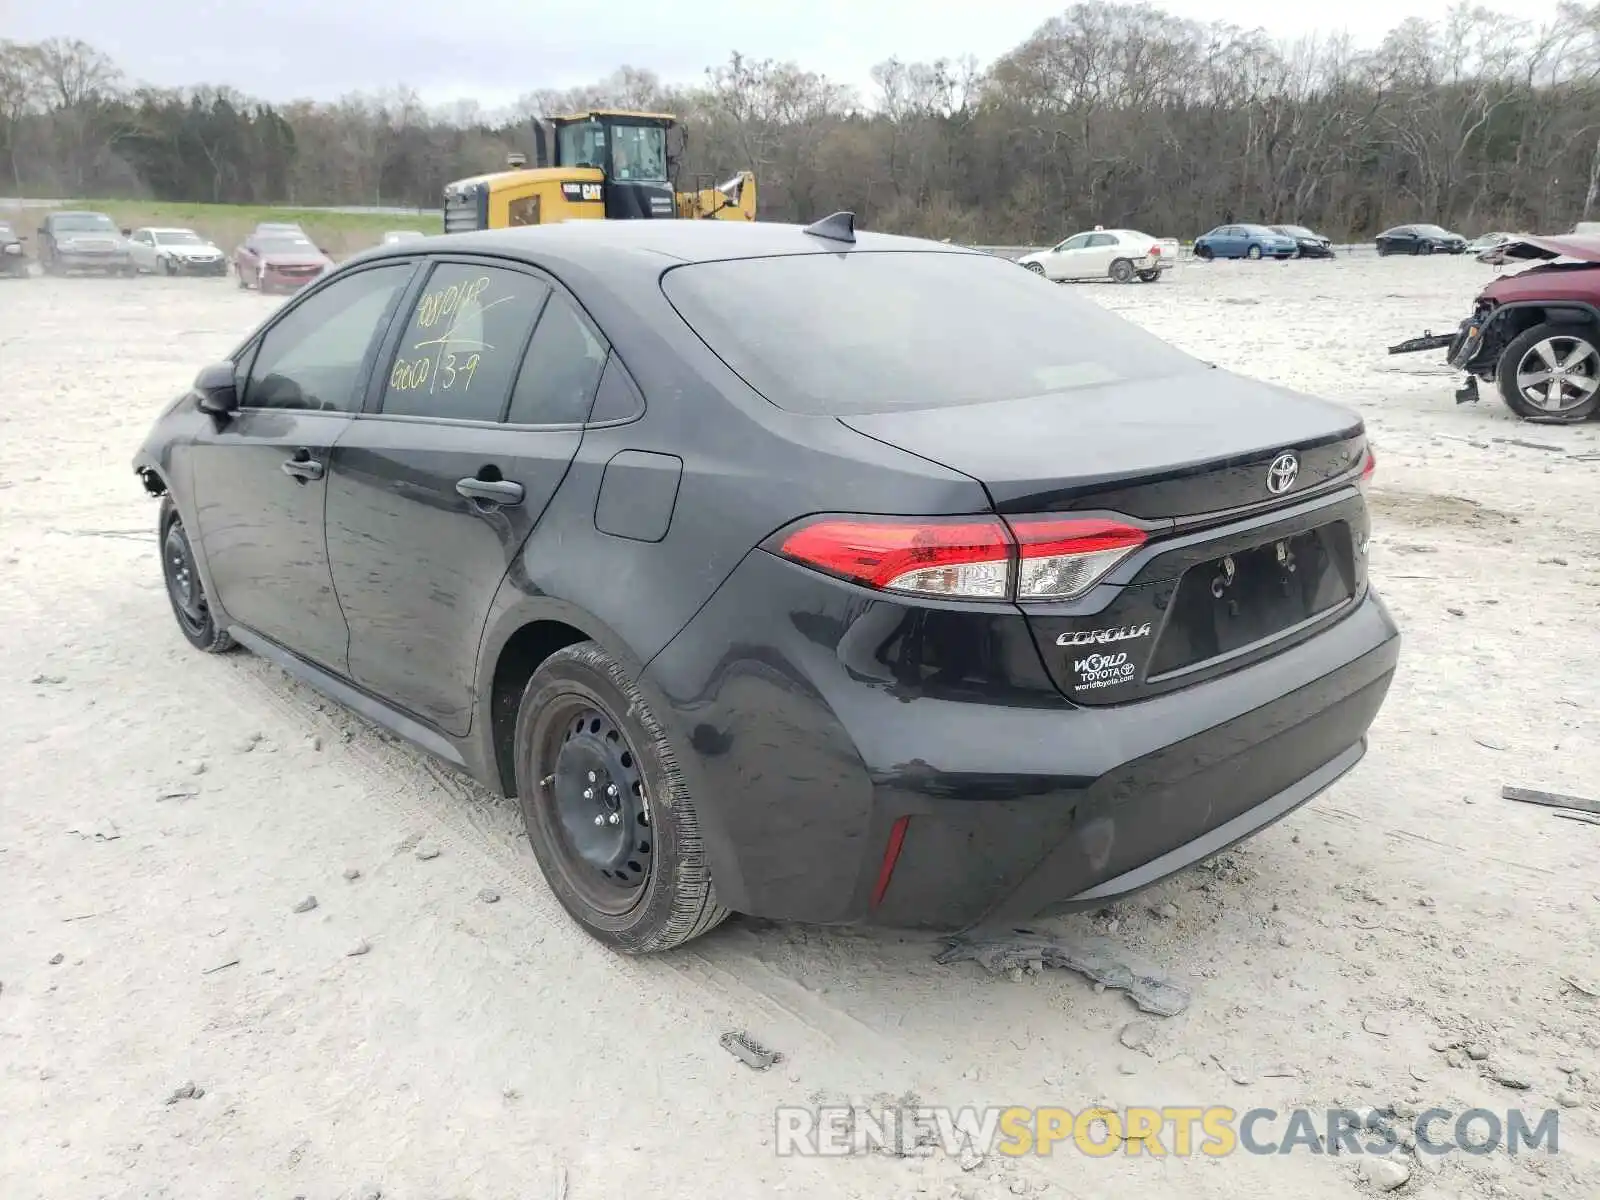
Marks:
<point>797,572</point>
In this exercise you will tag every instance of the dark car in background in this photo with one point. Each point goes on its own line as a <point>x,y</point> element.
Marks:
<point>13,261</point>
<point>1243,241</point>
<point>1306,243</point>
<point>84,241</point>
<point>279,262</point>
<point>817,575</point>
<point>1420,239</point>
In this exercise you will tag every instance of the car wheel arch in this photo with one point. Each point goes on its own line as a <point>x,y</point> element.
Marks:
<point>516,642</point>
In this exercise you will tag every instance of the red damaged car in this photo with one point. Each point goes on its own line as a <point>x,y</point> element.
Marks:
<point>278,262</point>
<point>1535,333</point>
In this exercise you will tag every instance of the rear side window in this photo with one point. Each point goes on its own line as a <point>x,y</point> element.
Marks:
<point>863,332</point>
<point>463,343</point>
<point>563,368</point>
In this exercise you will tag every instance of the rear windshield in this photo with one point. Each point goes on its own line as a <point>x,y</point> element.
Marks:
<point>864,332</point>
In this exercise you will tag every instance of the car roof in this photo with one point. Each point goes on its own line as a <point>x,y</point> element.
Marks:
<point>619,247</point>
<point>168,229</point>
<point>76,212</point>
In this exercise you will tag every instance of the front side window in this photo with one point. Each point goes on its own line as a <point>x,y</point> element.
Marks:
<point>463,343</point>
<point>313,357</point>
<point>1076,242</point>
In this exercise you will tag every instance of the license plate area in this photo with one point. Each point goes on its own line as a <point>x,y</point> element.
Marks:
<point>1237,601</point>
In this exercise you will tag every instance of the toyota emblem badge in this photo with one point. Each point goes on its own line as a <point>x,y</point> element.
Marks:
<point>1281,474</point>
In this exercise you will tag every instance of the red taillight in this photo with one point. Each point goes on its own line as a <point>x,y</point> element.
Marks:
<point>1368,469</point>
<point>1155,251</point>
<point>965,558</point>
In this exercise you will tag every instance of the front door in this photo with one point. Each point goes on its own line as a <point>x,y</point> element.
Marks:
<point>434,490</point>
<point>259,476</point>
<point>1064,259</point>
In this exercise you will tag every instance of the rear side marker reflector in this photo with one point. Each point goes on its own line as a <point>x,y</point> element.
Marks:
<point>891,855</point>
<point>963,558</point>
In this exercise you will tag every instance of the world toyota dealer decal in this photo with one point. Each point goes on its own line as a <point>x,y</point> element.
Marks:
<point>1102,671</point>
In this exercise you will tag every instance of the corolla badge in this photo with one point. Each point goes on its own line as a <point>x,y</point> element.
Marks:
<point>1282,473</point>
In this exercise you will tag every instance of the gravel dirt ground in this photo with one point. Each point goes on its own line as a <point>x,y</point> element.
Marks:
<point>164,813</point>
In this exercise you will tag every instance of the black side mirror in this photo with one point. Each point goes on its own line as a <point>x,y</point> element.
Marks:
<point>218,389</point>
<point>127,233</point>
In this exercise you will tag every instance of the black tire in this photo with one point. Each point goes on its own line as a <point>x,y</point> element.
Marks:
<point>1253,252</point>
<point>646,906</point>
<point>1511,357</point>
<point>1036,268</point>
<point>1151,276</point>
<point>167,267</point>
<point>1121,270</point>
<point>244,284</point>
<point>1423,248</point>
<point>184,589</point>
<point>1203,253</point>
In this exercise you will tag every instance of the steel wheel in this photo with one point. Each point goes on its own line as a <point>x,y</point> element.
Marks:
<point>598,796</point>
<point>184,588</point>
<point>1253,252</point>
<point>1036,268</point>
<point>183,580</point>
<point>1559,373</point>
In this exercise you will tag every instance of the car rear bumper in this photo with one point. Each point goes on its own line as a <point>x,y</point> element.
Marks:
<point>812,749</point>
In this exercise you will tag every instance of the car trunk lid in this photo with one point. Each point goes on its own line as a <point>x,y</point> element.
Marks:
<point>1246,493</point>
<point>1181,448</point>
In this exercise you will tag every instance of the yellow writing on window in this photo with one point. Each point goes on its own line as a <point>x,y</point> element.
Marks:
<point>445,302</point>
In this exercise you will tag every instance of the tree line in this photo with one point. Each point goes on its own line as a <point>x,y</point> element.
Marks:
<point>1112,114</point>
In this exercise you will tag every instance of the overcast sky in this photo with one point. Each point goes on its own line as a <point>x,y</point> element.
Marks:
<point>495,50</point>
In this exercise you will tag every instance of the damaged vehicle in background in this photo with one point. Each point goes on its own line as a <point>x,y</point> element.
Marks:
<point>176,252</point>
<point>1535,333</point>
<point>1120,255</point>
<point>1307,244</point>
<point>84,241</point>
<point>279,262</point>
<point>12,259</point>
<point>1420,239</point>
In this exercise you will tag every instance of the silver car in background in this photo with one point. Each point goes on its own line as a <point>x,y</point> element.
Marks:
<point>176,252</point>
<point>1121,255</point>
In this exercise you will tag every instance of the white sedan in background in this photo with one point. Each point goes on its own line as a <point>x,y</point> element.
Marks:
<point>175,252</point>
<point>1122,255</point>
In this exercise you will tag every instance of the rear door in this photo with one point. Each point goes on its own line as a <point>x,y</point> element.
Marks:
<point>472,423</point>
<point>1097,255</point>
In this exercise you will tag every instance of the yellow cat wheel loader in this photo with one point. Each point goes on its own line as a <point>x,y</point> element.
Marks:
<point>604,164</point>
